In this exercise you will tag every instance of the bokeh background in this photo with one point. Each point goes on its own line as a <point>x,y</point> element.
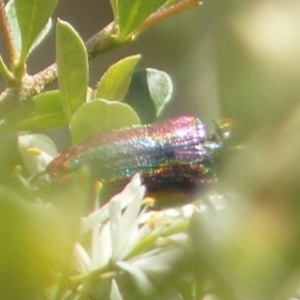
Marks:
<point>238,59</point>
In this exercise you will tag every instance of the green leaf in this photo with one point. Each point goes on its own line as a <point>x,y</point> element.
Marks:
<point>171,2</point>
<point>98,116</point>
<point>115,82</point>
<point>129,14</point>
<point>114,6</point>
<point>9,156</point>
<point>15,29</point>
<point>149,91</point>
<point>32,17</point>
<point>43,111</point>
<point>72,65</point>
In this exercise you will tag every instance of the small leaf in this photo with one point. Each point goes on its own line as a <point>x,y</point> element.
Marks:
<point>15,29</point>
<point>98,116</point>
<point>43,111</point>
<point>115,82</point>
<point>129,14</point>
<point>114,6</point>
<point>32,17</point>
<point>72,65</point>
<point>149,91</point>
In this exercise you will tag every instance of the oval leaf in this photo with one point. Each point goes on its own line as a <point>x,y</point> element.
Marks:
<point>149,91</point>
<point>129,14</point>
<point>72,66</point>
<point>115,82</point>
<point>98,116</point>
<point>43,111</point>
<point>32,17</point>
<point>15,29</point>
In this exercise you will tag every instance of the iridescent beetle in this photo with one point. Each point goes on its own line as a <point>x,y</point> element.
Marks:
<point>175,158</point>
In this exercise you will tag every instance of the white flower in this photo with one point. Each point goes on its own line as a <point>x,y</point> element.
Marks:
<point>36,150</point>
<point>126,237</point>
<point>114,231</point>
<point>153,262</point>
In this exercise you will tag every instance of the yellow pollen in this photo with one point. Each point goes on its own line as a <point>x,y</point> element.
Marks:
<point>153,220</point>
<point>34,152</point>
<point>98,185</point>
<point>148,201</point>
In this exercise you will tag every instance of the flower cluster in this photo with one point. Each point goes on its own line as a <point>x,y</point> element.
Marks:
<point>124,236</point>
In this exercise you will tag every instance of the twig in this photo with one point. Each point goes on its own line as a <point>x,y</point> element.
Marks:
<point>9,41</point>
<point>101,42</point>
<point>167,12</point>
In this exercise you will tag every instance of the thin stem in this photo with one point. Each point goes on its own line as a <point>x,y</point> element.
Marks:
<point>44,78</point>
<point>101,42</point>
<point>166,13</point>
<point>9,41</point>
<point>7,75</point>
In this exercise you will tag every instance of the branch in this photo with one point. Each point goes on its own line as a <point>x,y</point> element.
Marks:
<point>166,13</point>
<point>101,42</point>
<point>9,41</point>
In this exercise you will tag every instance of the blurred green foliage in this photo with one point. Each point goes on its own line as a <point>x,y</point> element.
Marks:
<point>250,66</point>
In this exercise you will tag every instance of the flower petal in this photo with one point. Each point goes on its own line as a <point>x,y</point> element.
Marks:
<point>115,293</point>
<point>82,259</point>
<point>133,189</point>
<point>141,279</point>
<point>36,150</point>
